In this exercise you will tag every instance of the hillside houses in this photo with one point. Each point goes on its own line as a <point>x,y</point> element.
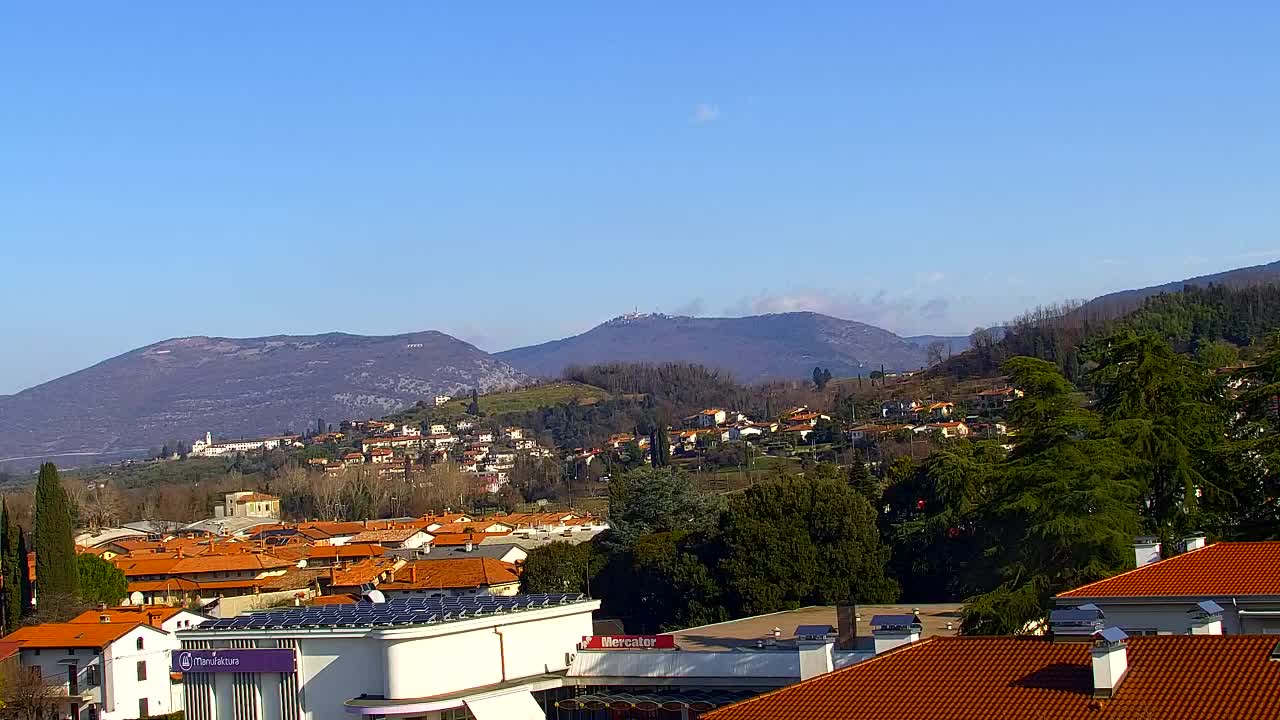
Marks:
<point>278,560</point>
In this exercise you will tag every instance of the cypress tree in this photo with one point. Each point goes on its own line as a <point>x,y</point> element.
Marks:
<point>10,567</point>
<point>24,574</point>
<point>56,568</point>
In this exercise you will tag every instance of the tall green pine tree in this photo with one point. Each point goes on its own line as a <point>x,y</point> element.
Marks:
<point>10,568</point>
<point>56,568</point>
<point>24,574</point>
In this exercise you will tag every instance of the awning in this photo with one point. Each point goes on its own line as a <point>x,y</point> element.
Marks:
<point>513,706</point>
<point>700,700</point>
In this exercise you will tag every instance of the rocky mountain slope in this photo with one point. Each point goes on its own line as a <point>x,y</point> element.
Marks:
<point>777,346</point>
<point>178,389</point>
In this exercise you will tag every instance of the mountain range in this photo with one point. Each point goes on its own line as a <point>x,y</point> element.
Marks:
<point>755,348</point>
<point>178,389</point>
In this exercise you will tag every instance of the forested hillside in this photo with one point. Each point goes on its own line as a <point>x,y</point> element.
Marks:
<point>1191,320</point>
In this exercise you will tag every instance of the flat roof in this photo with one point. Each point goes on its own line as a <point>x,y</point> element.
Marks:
<point>744,633</point>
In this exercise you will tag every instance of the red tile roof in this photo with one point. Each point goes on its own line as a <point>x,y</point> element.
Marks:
<point>459,573</point>
<point>1200,677</point>
<point>150,614</point>
<point>1222,569</point>
<point>72,635</point>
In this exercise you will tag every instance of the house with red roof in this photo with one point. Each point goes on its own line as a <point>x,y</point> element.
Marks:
<point>1165,596</point>
<point>1106,676</point>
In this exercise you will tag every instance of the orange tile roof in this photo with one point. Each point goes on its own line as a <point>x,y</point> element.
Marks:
<point>1222,569</point>
<point>227,563</point>
<point>459,573</point>
<point>363,572</point>
<point>133,567</point>
<point>1172,677</point>
<point>166,585</point>
<point>151,614</point>
<point>331,600</point>
<point>255,497</point>
<point>72,635</point>
<point>389,535</point>
<point>448,539</point>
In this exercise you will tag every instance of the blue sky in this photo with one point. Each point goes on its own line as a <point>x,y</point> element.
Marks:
<point>512,173</point>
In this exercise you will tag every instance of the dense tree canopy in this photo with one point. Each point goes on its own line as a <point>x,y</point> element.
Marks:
<point>798,541</point>
<point>100,581</point>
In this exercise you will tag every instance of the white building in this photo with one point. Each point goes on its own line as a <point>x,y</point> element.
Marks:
<point>249,504</point>
<point>488,658</point>
<point>442,399</point>
<point>108,664</point>
<point>208,448</point>
<point>1165,597</point>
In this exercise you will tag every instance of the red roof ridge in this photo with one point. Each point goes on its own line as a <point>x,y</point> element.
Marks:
<point>827,676</point>
<point>1079,592</point>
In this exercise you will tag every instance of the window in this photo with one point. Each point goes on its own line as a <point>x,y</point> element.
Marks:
<point>142,670</point>
<point>91,675</point>
<point>71,651</point>
<point>143,708</point>
<point>140,643</point>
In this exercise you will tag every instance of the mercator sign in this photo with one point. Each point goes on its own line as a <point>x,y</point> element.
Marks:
<point>629,642</point>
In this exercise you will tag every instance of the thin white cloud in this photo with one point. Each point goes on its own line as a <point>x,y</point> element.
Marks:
<point>704,113</point>
<point>906,315</point>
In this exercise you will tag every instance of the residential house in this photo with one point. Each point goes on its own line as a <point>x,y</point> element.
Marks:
<point>442,399</point>
<point>996,399</point>
<point>1105,675</point>
<point>950,430</point>
<point>410,431</point>
<point>899,409</point>
<point>396,442</point>
<point>250,504</point>
<point>395,538</point>
<point>1165,596</point>
<point>711,417</point>
<point>381,455</point>
<point>513,433</point>
<point>940,411</point>
<point>439,429</point>
<point>463,577</point>
<point>106,670</point>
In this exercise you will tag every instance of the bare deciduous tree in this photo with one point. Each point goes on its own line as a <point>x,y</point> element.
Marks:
<point>25,693</point>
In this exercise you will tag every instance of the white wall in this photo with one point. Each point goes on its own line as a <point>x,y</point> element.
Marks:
<point>117,672</point>
<point>334,670</point>
<point>1174,618</point>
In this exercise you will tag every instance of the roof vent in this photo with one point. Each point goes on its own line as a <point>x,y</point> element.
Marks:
<point>1078,624</point>
<point>1206,618</point>
<point>1275,652</point>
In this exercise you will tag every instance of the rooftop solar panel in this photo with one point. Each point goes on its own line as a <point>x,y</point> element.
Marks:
<point>399,611</point>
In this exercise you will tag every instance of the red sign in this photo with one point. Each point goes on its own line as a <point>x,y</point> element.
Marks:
<point>629,642</point>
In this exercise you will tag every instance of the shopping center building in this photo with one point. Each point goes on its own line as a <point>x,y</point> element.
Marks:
<point>488,657</point>
<point>523,657</point>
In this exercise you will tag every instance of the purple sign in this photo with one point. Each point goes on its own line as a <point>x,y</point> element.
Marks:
<point>269,660</point>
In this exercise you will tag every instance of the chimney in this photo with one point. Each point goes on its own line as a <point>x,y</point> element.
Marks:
<point>1110,660</point>
<point>1146,550</point>
<point>1194,541</point>
<point>815,643</point>
<point>104,618</point>
<point>469,546</point>
<point>1206,618</point>
<point>413,573</point>
<point>891,631</point>
<point>846,627</point>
